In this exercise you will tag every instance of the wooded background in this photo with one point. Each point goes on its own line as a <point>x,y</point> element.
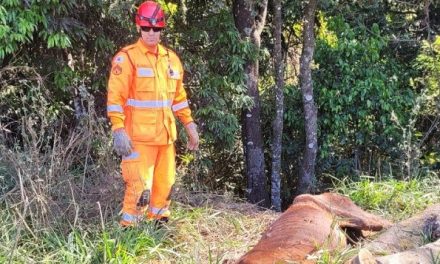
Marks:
<point>288,95</point>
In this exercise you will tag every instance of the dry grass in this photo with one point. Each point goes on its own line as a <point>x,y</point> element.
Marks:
<point>58,167</point>
<point>215,228</point>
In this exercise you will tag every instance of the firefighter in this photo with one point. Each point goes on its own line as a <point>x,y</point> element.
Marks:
<point>145,94</point>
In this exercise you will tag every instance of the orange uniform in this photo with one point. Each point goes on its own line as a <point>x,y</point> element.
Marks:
<point>145,93</point>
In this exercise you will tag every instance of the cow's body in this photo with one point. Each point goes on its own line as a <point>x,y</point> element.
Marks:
<point>311,222</point>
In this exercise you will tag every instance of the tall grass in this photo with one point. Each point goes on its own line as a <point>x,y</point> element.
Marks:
<point>394,199</point>
<point>57,166</point>
<point>209,232</point>
<point>83,244</point>
<point>54,168</point>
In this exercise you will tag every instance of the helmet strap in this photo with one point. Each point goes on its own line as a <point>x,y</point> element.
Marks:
<point>153,16</point>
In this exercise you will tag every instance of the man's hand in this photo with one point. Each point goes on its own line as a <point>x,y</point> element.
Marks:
<point>193,136</point>
<point>121,142</point>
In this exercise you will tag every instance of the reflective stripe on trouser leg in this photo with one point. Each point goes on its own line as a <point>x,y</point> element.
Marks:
<point>163,180</point>
<point>137,171</point>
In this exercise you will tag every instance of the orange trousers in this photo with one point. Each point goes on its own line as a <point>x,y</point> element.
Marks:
<point>151,169</point>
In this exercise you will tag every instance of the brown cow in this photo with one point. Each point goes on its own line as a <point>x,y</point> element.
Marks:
<point>310,223</point>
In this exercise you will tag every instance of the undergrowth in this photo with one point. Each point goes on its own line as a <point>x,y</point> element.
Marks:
<point>212,232</point>
<point>393,199</point>
<point>206,228</point>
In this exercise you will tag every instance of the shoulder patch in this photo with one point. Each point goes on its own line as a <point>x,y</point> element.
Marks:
<point>119,59</point>
<point>174,74</point>
<point>116,70</point>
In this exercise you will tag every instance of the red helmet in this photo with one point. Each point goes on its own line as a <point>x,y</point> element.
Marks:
<point>150,14</point>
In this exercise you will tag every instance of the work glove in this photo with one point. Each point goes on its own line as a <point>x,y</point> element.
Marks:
<point>193,136</point>
<point>121,142</point>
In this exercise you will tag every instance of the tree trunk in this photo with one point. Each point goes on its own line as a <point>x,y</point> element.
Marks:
<point>307,173</point>
<point>250,17</point>
<point>277,124</point>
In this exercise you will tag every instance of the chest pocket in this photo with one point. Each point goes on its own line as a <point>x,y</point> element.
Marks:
<point>145,79</point>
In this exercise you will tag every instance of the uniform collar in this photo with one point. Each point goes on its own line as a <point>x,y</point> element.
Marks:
<point>161,50</point>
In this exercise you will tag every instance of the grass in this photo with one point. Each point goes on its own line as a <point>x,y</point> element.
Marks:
<point>206,228</point>
<point>212,231</point>
<point>393,199</point>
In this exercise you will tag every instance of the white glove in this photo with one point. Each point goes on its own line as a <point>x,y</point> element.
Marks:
<point>121,142</point>
<point>193,136</point>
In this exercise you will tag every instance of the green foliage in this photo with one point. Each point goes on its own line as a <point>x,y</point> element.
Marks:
<point>84,245</point>
<point>340,255</point>
<point>55,58</point>
<point>428,62</point>
<point>61,58</point>
<point>23,23</point>
<point>217,76</point>
<point>196,234</point>
<point>397,199</point>
<point>419,135</point>
<point>128,246</point>
<point>359,84</point>
<point>293,137</point>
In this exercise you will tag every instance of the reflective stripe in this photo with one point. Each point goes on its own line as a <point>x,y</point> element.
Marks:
<point>114,108</point>
<point>158,211</point>
<point>179,106</point>
<point>133,155</point>
<point>149,104</point>
<point>131,218</point>
<point>145,72</point>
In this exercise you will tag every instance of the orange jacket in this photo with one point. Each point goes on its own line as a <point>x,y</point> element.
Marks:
<point>144,90</point>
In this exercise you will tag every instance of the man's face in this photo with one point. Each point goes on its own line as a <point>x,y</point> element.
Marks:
<point>150,36</point>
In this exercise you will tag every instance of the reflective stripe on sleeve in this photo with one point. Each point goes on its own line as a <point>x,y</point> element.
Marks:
<point>177,107</point>
<point>114,108</point>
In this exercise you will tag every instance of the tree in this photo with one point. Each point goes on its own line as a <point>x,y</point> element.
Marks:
<point>277,125</point>
<point>214,54</point>
<point>307,172</point>
<point>250,17</point>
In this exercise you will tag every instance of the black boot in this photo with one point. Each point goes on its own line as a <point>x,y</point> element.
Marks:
<point>161,222</point>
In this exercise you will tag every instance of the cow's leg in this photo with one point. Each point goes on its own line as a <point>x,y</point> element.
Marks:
<point>408,234</point>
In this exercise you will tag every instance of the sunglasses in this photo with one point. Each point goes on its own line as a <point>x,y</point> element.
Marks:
<point>147,29</point>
